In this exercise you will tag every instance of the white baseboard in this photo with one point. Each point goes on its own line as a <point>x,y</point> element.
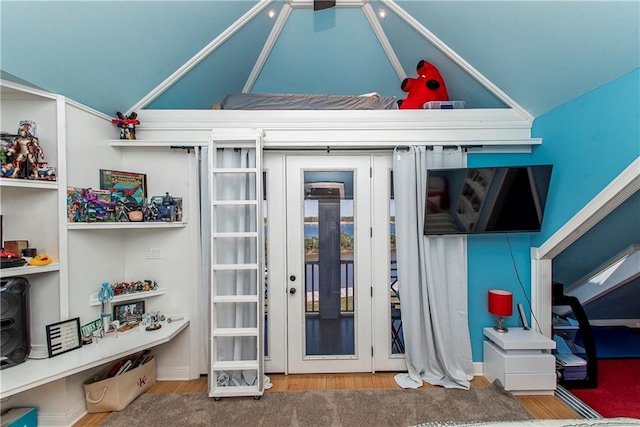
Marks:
<point>478,369</point>
<point>176,374</point>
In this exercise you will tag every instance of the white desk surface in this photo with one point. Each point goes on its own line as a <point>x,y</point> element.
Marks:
<point>519,339</point>
<point>33,373</point>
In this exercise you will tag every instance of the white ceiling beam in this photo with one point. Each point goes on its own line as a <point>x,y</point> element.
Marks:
<point>308,4</point>
<point>384,41</point>
<point>198,57</point>
<point>267,48</point>
<point>429,36</point>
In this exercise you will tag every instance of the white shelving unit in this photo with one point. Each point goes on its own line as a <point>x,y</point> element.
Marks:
<point>148,143</point>
<point>94,301</point>
<point>27,270</point>
<point>86,254</point>
<point>123,225</point>
<point>34,373</point>
<point>31,210</point>
<point>237,365</point>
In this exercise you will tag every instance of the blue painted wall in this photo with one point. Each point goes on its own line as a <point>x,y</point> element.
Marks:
<point>589,140</point>
<point>496,261</point>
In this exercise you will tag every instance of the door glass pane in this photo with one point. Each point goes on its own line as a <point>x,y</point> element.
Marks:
<point>329,245</point>
<point>397,337</point>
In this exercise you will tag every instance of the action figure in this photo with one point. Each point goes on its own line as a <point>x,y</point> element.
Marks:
<point>7,170</point>
<point>127,124</point>
<point>25,147</point>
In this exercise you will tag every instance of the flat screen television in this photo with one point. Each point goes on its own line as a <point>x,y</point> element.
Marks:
<point>503,199</point>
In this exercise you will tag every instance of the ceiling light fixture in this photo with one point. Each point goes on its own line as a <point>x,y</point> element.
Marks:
<point>382,13</point>
<point>271,13</point>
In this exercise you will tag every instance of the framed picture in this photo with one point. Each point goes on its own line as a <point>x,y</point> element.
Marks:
<point>63,336</point>
<point>128,187</point>
<point>128,311</point>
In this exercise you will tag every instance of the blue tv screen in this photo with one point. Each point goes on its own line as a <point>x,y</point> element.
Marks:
<point>502,199</point>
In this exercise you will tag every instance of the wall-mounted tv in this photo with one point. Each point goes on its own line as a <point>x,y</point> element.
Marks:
<point>503,199</point>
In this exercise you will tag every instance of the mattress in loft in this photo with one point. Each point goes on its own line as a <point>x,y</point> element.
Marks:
<point>276,101</point>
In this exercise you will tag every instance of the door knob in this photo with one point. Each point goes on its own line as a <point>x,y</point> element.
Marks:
<point>292,291</point>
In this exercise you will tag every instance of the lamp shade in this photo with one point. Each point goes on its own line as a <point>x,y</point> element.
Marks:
<point>500,302</point>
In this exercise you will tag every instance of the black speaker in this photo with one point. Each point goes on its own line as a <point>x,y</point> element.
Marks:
<point>15,343</point>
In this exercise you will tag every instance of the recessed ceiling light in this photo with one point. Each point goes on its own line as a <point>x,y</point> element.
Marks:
<point>382,13</point>
<point>271,13</point>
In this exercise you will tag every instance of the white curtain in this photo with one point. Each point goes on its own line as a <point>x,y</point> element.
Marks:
<point>432,278</point>
<point>236,251</point>
<point>205,246</point>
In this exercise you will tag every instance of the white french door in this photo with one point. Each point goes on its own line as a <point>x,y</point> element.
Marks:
<point>324,221</point>
<point>328,264</point>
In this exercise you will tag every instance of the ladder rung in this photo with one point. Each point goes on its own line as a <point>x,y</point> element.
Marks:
<point>234,202</point>
<point>235,365</point>
<point>235,298</point>
<point>235,267</point>
<point>235,332</point>
<point>237,391</point>
<point>234,170</point>
<point>234,234</point>
<point>236,140</point>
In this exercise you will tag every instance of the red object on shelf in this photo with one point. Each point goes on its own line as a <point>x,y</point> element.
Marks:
<point>500,302</point>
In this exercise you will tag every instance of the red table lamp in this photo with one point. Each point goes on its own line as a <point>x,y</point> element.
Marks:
<point>500,305</point>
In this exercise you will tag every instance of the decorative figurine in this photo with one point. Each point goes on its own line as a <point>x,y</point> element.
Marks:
<point>7,170</point>
<point>25,147</point>
<point>104,296</point>
<point>150,212</point>
<point>127,124</point>
<point>46,172</point>
<point>154,324</point>
<point>6,140</point>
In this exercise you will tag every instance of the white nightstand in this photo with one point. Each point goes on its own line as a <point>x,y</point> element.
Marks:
<point>521,360</point>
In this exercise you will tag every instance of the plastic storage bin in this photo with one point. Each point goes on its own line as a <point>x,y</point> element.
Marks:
<point>443,105</point>
<point>19,417</point>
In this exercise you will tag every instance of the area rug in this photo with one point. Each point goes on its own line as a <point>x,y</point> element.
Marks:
<point>618,391</point>
<point>326,408</point>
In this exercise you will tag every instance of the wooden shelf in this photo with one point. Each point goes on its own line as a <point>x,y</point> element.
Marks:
<point>93,299</point>
<point>29,269</point>
<point>139,143</point>
<point>34,373</point>
<point>28,183</point>
<point>121,225</point>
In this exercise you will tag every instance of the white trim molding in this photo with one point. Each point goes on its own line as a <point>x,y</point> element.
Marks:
<point>613,195</point>
<point>499,129</point>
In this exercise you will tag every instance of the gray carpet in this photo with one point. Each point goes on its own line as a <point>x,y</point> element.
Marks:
<point>335,408</point>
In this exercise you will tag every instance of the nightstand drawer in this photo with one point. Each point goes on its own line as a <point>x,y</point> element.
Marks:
<point>530,381</point>
<point>529,364</point>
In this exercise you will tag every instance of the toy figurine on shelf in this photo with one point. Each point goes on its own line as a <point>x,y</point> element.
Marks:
<point>6,140</point>
<point>46,172</point>
<point>105,295</point>
<point>25,148</point>
<point>127,124</point>
<point>7,169</point>
<point>150,212</point>
<point>154,323</point>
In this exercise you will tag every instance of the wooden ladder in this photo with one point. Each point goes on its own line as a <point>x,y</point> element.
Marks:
<point>237,266</point>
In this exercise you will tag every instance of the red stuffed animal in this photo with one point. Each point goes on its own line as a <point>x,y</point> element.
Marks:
<point>429,86</point>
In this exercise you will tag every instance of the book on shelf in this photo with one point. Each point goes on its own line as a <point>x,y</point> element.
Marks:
<point>570,359</point>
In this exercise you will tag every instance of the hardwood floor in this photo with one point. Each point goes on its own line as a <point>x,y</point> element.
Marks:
<point>540,407</point>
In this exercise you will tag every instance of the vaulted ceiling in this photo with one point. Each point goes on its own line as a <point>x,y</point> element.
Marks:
<point>116,55</point>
